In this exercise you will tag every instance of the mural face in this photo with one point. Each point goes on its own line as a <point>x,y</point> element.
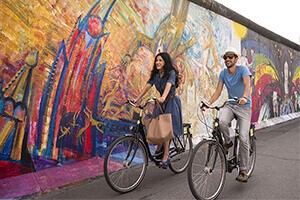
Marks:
<point>68,67</point>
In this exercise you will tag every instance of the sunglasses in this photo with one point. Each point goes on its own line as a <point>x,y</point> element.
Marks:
<point>230,57</point>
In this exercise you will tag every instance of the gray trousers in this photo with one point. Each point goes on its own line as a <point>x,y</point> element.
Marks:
<point>244,121</point>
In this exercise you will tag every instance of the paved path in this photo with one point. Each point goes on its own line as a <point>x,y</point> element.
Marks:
<point>276,175</point>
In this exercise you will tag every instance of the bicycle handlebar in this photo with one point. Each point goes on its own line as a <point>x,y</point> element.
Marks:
<point>235,99</point>
<point>153,99</point>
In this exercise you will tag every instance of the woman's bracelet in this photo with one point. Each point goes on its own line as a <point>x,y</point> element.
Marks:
<point>245,98</point>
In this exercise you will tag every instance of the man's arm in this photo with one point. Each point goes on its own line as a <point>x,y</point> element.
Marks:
<point>244,98</point>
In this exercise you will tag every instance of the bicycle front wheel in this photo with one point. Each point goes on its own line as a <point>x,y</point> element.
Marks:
<point>207,170</point>
<point>180,152</point>
<point>125,164</point>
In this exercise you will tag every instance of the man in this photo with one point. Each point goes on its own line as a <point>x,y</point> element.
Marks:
<point>237,81</point>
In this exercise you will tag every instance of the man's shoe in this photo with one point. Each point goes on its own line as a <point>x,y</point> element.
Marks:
<point>242,177</point>
<point>227,146</point>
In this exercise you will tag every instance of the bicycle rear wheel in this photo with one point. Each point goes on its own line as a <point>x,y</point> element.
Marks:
<point>125,164</point>
<point>180,152</point>
<point>252,155</point>
<point>207,170</point>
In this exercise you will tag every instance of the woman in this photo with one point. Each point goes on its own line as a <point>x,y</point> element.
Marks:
<point>165,78</point>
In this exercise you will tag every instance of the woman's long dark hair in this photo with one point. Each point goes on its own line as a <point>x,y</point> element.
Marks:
<point>168,67</point>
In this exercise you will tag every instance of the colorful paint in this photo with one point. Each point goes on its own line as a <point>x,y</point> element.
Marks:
<point>68,67</point>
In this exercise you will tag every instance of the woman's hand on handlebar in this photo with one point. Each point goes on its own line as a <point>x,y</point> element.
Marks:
<point>161,99</point>
<point>137,102</point>
<point>132,102</point>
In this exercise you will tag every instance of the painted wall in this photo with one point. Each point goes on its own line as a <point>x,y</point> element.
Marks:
<point>68,67</point>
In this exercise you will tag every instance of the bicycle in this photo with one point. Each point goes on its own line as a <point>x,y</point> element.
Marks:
<point>209,164</point>
<point>127,158</point>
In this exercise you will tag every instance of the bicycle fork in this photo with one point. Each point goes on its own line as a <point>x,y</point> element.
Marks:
<point>127,162</point>
<point>135,130</point>
<point>208,169</point>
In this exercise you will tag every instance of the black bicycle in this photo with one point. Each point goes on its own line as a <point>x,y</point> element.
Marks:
<point>126,160</point>
<point>209,164</point>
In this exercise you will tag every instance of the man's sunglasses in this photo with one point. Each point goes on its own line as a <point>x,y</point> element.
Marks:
<point>230,57</point>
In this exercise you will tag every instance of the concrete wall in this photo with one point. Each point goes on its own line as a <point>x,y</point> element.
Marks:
<point>68,67</point>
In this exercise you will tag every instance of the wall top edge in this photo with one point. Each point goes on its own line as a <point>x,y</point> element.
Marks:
<point>234,16</point>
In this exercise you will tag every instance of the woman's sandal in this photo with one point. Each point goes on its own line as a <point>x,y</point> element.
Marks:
<point>165,165</point>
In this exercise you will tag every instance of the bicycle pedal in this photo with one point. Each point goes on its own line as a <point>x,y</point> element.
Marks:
<point>230,167</point>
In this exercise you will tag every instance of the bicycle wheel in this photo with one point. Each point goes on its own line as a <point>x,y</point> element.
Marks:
<point>207,170</point>
<point>252,155</point>
<point>125,164</point>
<point>181,150</point>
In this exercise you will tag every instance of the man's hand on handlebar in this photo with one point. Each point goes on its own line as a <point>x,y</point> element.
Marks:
<point>204,105</point>
<point>242,100</point>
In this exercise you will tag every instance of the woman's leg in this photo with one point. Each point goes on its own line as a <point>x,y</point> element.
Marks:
<point>166,151</point>
<point>158,148</point>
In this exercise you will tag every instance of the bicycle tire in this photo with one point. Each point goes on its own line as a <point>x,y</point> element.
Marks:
<point>252,155</point>
<point>180,158</point>
<point>122,175</point>
<point>206,183</point>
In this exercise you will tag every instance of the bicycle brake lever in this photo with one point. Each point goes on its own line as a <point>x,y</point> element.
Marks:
<point>204,105</point>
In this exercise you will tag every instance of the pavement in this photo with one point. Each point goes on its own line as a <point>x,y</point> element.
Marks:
<point>69,175</point>
<point>50,179</point>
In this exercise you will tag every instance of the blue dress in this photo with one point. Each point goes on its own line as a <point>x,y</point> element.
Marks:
<point>172,103</point>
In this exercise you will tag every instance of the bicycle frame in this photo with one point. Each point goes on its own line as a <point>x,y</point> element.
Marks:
<point>232,162</point>
<point>217,137</point>
<point>139,132</point>
<point>209,162</point>
<point>131,154</point>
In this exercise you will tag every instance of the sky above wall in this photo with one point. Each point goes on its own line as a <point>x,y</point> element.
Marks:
<point>280,17</point>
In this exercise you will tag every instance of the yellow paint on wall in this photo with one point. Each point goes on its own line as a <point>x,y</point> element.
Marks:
<point>297,74</point>
<point>240,30</point>
<point>37,25</point>
<point>262,70</point>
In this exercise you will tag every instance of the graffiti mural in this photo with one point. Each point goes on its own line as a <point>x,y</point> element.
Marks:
<point>275,70</point>
<point>67,69</point>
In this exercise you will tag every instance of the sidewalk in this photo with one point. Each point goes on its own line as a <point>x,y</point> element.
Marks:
<point>74,174</point>
<point>50,179</point>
